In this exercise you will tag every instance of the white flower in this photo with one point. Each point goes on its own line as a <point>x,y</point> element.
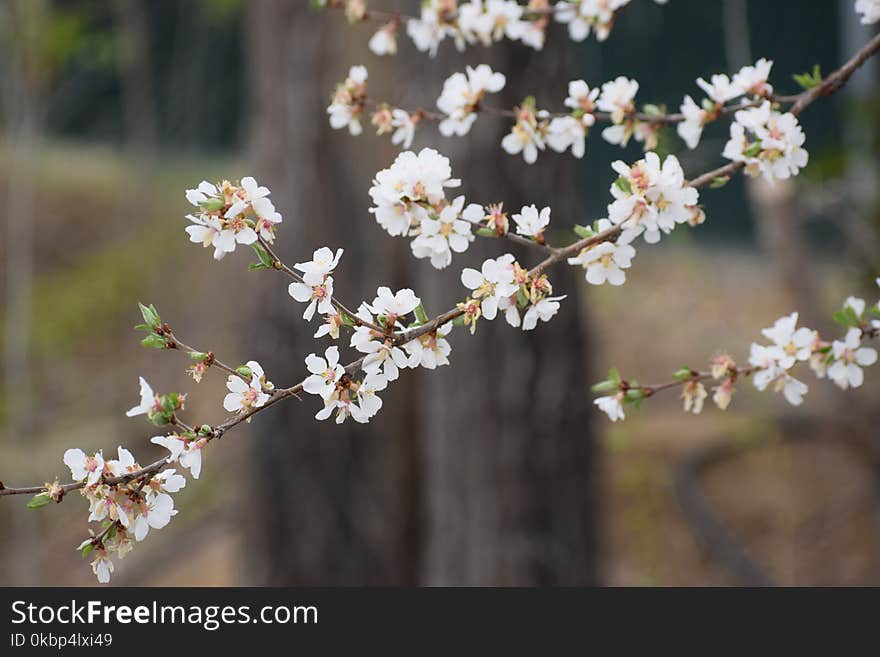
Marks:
<point>249,193</point>
<point>148,400</point>
<point>530,222</point>
<point>503,18</point>
<point>544,310</point>
<point>582,15</point>
<point>752,80</point>
<point>795,343</point>
<point>401,191</point>
<point>581,97</point>
<point>611,406</point>
<point>691,129</point>
<point>774,149</point>
<point>567,131</point>
<point>527,136</point>
<point>368,401</point>
<point>245,396</point>
<point>102,566</point>
<point>319,296</point>
<point>849,358</point>
<point>156,512</point>
<point>191,457</point>
<point>382,357</point>
<point>720,89</point>
<point>605,262</point>
<point>430,350</point>
<point>439,237</point>
<point>404,128</point>
<point>202,193</point>
<point>124,465</point>
<point>461,96</point>
<point>857,305</point>
<point>617,98</point>
<point>766,360</point>
<point>395,305</point>
<point>347,103</point>
<point>495,281</point>
<point>325,372</point>
<point>322,264</point>
<point>651,199</point>
<point>694,394</point>
<point>84,467</point>
<point>173,443</point>
<point>869,9</point>
<point>168,481</point>
<point>344,408</point>
<point>384,41</point>
<point>331,325</point>
<point>792,389</point>
<point>427,31</point>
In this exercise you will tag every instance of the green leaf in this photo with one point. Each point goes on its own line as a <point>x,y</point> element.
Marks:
<point>809,80</point>
<point>244,370</point>
<point>347,320</point>
<point>652,110</point>
<point>420,314</point>
<point>583,231</point>
<point>604,386</point>
<point>150,315</point>
<point>614,376</point>
<point>39,500</point>
<point>458,321</point>
<point>198,356</point>
<point>623,184</point>
<point>85,547</point>
<point>521,299</point>
<point>154,341</point>
<point>212,204</point>
<point>753,150</point>
<point>262,254</point>
<point>719,182</point>
<point>633,395</point>
<point>486,232</point>
<point>683,374</point>
<point>256,266</point>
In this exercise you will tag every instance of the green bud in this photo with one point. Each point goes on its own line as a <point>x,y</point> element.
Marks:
<point>212,204</point>
<point>154,341</point>
<point>753,150</point>
<point>420,314</point>
<point>244,370</point>
<point>486,232</point>
<point>604,386</point>
<point>719,182</point>
<point>583,231</point>
<point>39,500</point>
<point>150,315</point>
<point>623,185</point>
<point>683,374</point>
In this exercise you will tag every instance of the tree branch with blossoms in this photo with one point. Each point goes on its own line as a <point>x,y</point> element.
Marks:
<point>394,332</point>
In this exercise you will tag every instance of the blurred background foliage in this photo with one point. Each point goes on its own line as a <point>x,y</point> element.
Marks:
<point>111,109</point>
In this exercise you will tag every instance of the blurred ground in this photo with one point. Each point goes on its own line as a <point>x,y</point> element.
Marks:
<point>806,511</point>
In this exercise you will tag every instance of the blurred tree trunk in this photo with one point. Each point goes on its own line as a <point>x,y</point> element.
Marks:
<point>340,501</point>
<point>478,473</point>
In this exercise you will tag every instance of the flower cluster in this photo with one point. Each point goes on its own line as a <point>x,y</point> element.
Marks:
<point>503,285</point>
<point>769,143</point>
<point>651,198</point>
<point>127,507</point>
<point>749,81</point>
<point>770,365</point>
<point>410,200</point>
<point>354,393</point>
<point>528,135</point>
<point>461,98</point>
<point>347,102</point>
<point>231,214</point>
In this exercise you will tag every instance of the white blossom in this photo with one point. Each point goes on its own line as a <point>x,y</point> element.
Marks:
<point>245,396</point>
<point>606,261</point>
<point>450,231</point>
<point>398,304</point>
<point>462,95</point>
<point>849,358</point>
<point>148,401</point>
<point>495,281</point>
<point>384,41</point>
<point>528,134</point>
<point>404,128</point>
<point>582,15</point>
<point>617,98</point>
<point>325,372</point>
<point>752,80</point>
<point>156,512</point>
<point>430,350</point>
<point>346,105</point>
<point>650,198</point>
<point>84,467</point>
<point>319,296</point>
<point>795,344</point>
<point>611,406</point>
<point>869,10</point>
<point>322,264</point>
<point>767,142</point>
<point>544,310</point>
<point>530,222</point>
